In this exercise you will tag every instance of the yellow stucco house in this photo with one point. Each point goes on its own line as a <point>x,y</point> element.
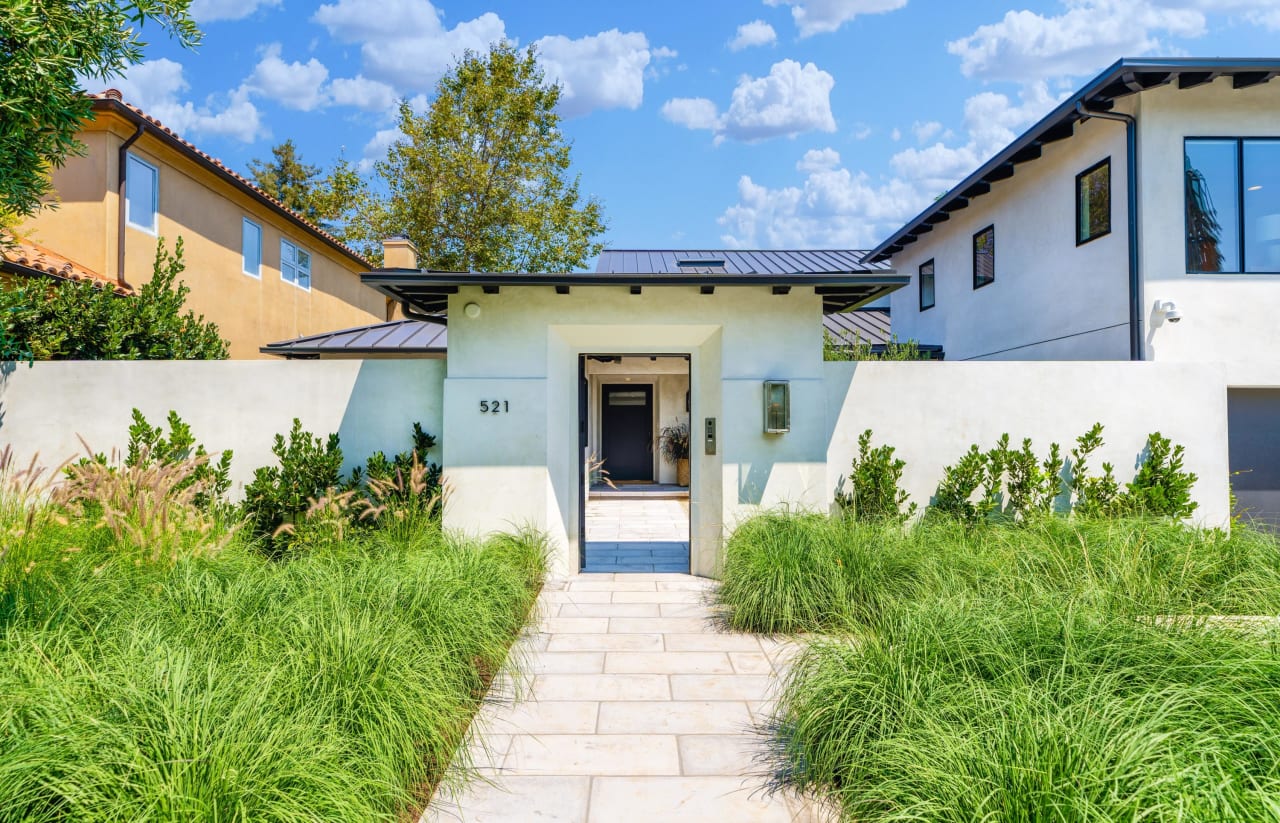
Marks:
<point>256,268</point>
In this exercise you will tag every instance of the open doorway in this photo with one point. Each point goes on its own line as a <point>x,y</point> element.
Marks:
<point>634,425</point>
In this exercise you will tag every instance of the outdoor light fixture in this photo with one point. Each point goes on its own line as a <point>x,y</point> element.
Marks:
<point>1169,311</point>
<point>777,406</point>
<point>471,310</point>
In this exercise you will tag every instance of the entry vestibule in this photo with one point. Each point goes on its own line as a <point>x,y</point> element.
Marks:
<point>514,449</point>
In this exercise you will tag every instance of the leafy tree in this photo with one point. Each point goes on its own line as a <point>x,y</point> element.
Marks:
<point>45,47</point>
<point>324,200</point>
<point>481,182</point>
<point>85,321</point>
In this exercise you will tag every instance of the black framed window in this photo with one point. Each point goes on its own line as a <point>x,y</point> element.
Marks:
<point>1093,202</point>
<point>984,257</point>
<point>926,285</point>
<point>1232,191</point>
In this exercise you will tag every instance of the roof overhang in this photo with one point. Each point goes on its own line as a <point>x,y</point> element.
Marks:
<point>1123,78</point>
<point>426,293</point>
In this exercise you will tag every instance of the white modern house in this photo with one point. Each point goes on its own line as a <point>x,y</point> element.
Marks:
<point>1139,220</point>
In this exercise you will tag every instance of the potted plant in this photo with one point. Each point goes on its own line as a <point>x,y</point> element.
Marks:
<point>673,442</point>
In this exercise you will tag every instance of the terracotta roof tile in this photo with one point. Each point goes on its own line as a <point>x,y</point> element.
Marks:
<point>113,97</point>
<point>30,255</point>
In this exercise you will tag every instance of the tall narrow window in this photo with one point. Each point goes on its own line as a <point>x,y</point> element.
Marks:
<point>1213,214</point>
<point>295,264</point>
<point>1093,202</point>
<point>926,285</point>
<point>984,257</point>
<point>1261,161</point>
<point>141,194</point>
<point>251,248</point>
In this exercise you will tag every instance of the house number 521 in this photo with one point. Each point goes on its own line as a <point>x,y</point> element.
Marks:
<point>494,406</point>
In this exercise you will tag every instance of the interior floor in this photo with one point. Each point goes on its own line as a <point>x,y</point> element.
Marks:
<point>637,534</point>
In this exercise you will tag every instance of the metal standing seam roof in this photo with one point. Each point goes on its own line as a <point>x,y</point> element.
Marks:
<point>395,337</point>
<point>841,278</point>
<point>737,262</point>
<point>1122,78</point>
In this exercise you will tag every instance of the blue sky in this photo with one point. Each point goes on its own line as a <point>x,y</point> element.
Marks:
<point>698,123</point>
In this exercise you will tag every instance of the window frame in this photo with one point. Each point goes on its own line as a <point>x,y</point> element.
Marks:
<point>245,222</point>
<point>284,241</point>
<point>991,228</point>
<point>1243,267</point>
<point>933,275</point>
<point>154,228</point>
<point>1080,240</point>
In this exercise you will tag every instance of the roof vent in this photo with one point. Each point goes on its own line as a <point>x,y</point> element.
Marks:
<point>701,263</point>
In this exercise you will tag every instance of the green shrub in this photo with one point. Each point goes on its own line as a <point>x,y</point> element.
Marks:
<point>148,445</point>
<point>404,484</point>
<point>308,469</point>
<point>85,321</point>
<point>954,497</point>
<point>841,348</point>
<point>874,493</point>
<point>1161,486</point>
<point>1092,496</point>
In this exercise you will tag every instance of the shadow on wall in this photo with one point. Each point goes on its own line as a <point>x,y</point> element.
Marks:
<point>383,406</point>
<point>752,481</point>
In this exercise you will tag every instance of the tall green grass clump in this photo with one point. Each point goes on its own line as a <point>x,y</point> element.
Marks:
<point>208,681</point>
<point>1043,708</point>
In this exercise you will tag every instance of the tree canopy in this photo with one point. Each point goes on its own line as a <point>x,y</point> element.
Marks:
<point>481,181</point>
<point>326,200</point>
<point>45,47</point>
<point>85,321</point>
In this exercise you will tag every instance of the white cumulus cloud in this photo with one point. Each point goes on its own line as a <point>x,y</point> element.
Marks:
<point>209,11</point>
<point>600,71</point>
<point>824,16</point>
<point>755,33</point>
<point>835,205</point>
<point>376,148</point>
<point>295,85</point>
<point>362,93</point>
<point>156,87</point>
<point>404,42</point>
<point>791,100</point>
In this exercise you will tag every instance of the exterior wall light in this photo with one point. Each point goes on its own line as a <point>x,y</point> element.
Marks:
<point>777,406</point>
<point>471,310</point>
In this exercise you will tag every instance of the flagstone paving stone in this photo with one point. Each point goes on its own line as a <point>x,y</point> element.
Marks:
<point>628,704</point>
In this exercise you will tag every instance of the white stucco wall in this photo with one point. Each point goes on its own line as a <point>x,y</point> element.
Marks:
<point>232,404</point>
<point>1227,317</point>
<point>1051,299</point>
<point>932,412</point>
<point>522,467</point>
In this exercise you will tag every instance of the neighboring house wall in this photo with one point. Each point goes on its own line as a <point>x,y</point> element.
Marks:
<point>1234,318</point>
<point>932,412</point>
<point>45,410</point>
<point>208,213</point>
<point>1051,299</point>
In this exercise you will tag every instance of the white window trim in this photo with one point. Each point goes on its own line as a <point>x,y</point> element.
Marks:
<point>154,228</point>
<point>297,248</point>
<point>258,274</point>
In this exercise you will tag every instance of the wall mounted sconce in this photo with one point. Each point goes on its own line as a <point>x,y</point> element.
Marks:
<point>777,406</point>
<point>471,310</point>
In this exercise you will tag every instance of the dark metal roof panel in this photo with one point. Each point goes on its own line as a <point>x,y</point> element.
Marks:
<point>396,337</point>
<point>868,325</point>
<point>1122,78</point>
<point>762,262</point>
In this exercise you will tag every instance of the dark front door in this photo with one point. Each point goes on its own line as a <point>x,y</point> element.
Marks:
<point>626,431</point>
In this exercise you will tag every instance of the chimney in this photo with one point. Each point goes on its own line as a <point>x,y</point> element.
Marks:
<point>398,252</point>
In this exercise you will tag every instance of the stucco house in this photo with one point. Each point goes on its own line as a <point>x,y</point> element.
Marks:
<point>256,268</point>
<point>1139,220</point>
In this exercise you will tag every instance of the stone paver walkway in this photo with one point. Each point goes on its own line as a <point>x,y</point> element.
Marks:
<point>634,707</point>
